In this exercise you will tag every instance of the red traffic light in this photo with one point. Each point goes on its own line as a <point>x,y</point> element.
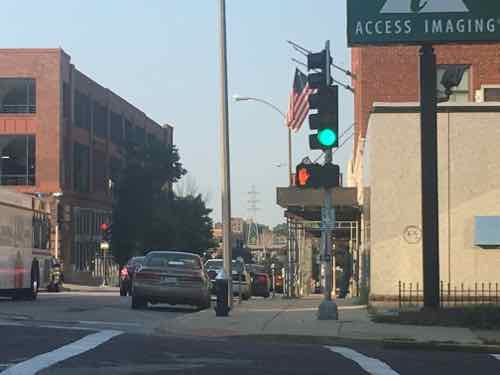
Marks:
<point>104,227</point>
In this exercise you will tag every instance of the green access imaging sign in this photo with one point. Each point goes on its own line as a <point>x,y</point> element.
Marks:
<point>422,21</point>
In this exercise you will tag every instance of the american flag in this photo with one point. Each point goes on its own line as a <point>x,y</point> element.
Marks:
<point>298,106</point>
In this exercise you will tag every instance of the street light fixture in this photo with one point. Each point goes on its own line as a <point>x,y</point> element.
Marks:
<point>239,98</point>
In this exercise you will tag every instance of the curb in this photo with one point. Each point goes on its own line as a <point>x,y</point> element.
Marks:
<point>90,289</point>
<point>385,343</point>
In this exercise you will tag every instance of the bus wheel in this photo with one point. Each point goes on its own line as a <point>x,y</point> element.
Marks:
<point>35,281</point>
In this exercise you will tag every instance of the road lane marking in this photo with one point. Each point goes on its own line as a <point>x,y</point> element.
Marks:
<point>371,365</point>
<point>43,361</point>
<point>497,356</point>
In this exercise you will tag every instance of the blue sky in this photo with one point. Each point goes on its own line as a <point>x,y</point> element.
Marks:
<point>162,56</point>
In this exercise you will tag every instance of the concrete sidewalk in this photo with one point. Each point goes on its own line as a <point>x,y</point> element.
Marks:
<point>89,289</point>
<point>297,317</point>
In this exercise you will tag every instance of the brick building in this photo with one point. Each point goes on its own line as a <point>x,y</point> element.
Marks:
<point>61,132</point>
<point>390,74</point>
<point>385,166</point>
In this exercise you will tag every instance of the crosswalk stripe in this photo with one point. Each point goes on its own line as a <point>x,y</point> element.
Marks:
<point>43,361</point>
<point>371,365</point>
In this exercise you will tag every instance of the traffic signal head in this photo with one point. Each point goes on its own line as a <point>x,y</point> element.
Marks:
<point>321,62</point>
<point>317,176</point>
<point>307,175</point>
<point>106,231</point>
<point>326,120</point>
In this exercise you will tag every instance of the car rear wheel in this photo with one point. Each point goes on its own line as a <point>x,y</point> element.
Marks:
<point>139,303</point>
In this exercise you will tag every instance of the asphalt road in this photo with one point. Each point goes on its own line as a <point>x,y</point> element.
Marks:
<point>100,310</point>
<point>77,352</point>
<point>98,333</point>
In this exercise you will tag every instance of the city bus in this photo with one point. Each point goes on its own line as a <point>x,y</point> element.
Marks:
<point>25,256</point>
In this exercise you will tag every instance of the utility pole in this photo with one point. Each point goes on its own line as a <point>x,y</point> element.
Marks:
<point>224,142</point>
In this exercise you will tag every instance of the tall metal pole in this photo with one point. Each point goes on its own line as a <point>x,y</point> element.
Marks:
<point>327,239</point>
<point>328,309</point>
<point>290,174</point>
<point>224,133</point>
<point>429,160</point>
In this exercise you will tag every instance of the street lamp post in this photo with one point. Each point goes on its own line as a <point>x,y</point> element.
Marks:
<point>239,98</point>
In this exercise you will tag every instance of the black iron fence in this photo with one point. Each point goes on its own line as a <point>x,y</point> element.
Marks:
<point>412,294</point>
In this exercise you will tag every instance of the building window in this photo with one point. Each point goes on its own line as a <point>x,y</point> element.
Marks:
<point>129,131</point>
<point>460,93</point>
<point>140,136</point>
<point>116,128</point>
<point>81,168</point>
<point>100,120</point>
<point>66,100</point>
<point>17,95</point>
<point>99,170</point>
<point>17,159</point>
<point>82,110</point>
<point>115,169</point>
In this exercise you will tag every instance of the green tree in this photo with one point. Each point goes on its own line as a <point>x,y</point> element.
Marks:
<point>281,230</point>
<point>143,184</point>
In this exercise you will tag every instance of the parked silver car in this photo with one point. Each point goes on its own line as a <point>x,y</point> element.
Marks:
<point>241,277</point>
<point>171,277</point>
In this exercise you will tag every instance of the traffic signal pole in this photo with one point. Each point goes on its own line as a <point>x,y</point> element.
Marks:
<point>328,308</point>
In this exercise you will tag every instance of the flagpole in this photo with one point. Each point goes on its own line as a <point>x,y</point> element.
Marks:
<point>290,175</point>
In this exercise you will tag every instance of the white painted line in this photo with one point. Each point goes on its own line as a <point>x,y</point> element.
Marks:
<point>92,322</point>
<point>371,365</point>
<point>497,356</point>
<point>43,361</point>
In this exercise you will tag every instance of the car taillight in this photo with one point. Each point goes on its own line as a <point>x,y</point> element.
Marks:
<point>124,272</point>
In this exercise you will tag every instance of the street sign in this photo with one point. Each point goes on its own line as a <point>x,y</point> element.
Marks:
<point>422,21</point>
<point>328,217</point>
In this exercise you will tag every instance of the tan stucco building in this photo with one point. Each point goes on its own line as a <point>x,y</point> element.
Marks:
<point>389,190</point>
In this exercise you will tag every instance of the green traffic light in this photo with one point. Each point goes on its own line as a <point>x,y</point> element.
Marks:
<point>327,137</point>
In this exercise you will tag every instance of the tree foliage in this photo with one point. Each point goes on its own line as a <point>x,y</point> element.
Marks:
<point>148,215</point>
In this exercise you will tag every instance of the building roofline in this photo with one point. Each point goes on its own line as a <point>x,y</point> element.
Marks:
<point>414,107</point>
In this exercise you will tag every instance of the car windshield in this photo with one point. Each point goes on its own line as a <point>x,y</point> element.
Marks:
<point>136,261</point>
<point>216,264</point>
<point>172,260</point>
<point>257,268</point>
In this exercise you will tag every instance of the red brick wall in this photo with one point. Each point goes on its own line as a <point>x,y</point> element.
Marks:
<point>390,74</point>
<point>43,65</point>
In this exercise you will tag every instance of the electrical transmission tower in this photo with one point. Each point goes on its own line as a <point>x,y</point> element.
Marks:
<point>253,237</point>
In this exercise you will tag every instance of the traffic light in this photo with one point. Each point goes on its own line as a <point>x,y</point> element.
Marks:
<point>106,232</point>
<point>317,176</point>
<point>330,175</point>
<point>325,101</point>
<point>307,175</point>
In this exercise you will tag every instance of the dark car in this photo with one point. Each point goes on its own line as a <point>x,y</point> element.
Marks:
<point>127,273</point>
<point>261,282</point>
<point>176,278</point>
